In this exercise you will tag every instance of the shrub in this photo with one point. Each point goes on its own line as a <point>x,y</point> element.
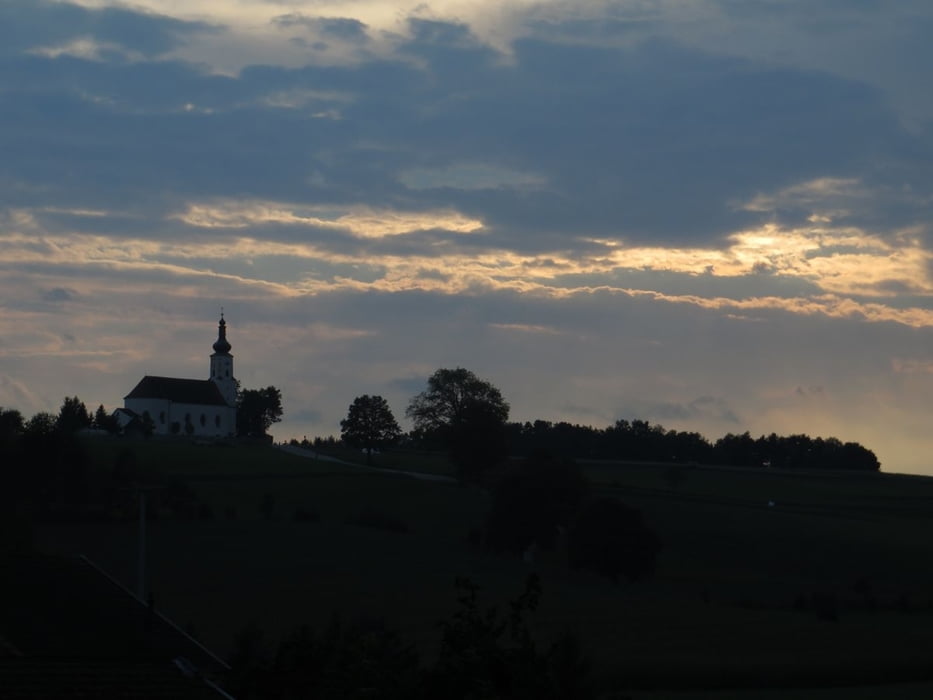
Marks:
<point>530,504</point>
<point>612,539</point>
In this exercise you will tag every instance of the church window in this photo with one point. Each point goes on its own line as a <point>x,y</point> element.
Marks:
<point>217,420</point>
<point>203,420</point>
<point>162,417</point>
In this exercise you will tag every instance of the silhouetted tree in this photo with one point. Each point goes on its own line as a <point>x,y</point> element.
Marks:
<point>340,663</point>
<point>105,421</point>
<point>369,424</point>
<point>257,410</point>
<point>486,654</point>
<point>468,414</point>
<point>612,539</point>
<point>40,424</point>
<point>11,423</point>
<point>73,415</point>
<point>793,452</point>
<point>533,501</point>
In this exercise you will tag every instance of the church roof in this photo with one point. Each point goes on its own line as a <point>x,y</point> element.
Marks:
<point>197,391</point>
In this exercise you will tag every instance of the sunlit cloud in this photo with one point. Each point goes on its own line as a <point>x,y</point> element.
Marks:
<point>825,305</point>
<point>89,213</point>
<point>360,221</point>
<point>525,328</point>
<point>850,267</point>
<point>811,194</point>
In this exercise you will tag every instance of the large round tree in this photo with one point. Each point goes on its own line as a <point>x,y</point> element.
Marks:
<point>257,410</point>
<point>369,424</point>
<point>468,414</point>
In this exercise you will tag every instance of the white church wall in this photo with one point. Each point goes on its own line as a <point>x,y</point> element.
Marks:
<point>158,410</point>
<point>206,421</point>
<point>209,421</point>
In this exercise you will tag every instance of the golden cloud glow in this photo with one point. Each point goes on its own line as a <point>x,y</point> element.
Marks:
<point>854,272</point>
<point>360,221</point>
<point>812,193</point>
<point>838,261</point>
<point>525,328</point>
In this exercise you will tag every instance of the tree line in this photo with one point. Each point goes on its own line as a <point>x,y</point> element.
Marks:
<point>71,417</point>
<point>640,440</point>
<point>257,411</point>
<point>468,417</point>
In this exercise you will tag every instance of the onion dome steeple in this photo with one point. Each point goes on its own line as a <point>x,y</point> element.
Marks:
<point>222,346</point>
<point>222,364</point>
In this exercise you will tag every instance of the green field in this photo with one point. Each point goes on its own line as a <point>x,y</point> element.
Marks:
<point>722,611</point>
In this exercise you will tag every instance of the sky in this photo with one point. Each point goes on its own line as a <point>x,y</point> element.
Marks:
<point>710,214</point>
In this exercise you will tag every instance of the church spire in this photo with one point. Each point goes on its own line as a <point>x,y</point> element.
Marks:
<point>222,364</point>
<point>222,347</point>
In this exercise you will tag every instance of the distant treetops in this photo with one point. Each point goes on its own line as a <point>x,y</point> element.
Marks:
<point>639,440</point>
<point>468,417</point>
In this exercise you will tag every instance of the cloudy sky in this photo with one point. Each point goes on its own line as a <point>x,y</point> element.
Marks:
<point>711,214</point>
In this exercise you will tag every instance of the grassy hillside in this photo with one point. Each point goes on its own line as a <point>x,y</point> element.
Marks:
<point>746,554</point>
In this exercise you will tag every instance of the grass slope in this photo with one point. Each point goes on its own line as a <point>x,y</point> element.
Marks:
<point>719,613</point>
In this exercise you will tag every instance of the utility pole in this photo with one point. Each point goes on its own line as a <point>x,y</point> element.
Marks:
<point>141,572</point>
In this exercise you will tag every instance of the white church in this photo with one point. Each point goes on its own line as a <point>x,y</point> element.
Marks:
<point>188,407</point>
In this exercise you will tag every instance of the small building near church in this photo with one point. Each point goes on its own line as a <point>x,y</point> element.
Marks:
<point>188,407</point>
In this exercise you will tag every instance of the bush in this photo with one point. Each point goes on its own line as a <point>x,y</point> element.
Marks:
<point>612,539</point>
<point>530,504</point>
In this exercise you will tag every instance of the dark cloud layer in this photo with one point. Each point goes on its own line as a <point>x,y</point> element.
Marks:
<point>32,24</point>
<point>612,135</point>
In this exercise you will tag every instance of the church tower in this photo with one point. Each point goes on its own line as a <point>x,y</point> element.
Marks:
<point>222,365</point>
